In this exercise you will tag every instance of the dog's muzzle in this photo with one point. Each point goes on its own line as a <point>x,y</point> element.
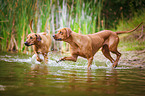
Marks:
<point>26,43</point>
<point>56,38</point>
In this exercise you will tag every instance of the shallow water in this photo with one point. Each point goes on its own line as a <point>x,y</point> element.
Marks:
<point>22,75</point>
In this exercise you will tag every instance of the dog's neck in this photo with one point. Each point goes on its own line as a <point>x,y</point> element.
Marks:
<point>38,44</point>
<point>74,39</point>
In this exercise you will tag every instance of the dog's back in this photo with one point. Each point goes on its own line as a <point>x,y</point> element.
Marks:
<point>47,39</point>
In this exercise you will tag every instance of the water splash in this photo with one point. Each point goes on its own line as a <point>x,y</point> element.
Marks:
<point>80,64</point>
<point>9,58</point>
<point>34,61</point>
<point>108,63</point>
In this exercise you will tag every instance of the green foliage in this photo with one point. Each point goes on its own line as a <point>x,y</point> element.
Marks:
<point>132,45</point>
<point>131,41</point>
<point>82,16</point>
<point>132,22</point>
<point>48,16</point>
<point>114,10</point>
<point>14,19</point>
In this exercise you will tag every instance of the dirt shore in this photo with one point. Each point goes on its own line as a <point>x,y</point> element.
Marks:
<point>129,58</point>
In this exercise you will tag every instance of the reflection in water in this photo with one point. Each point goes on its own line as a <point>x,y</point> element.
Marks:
<point>112,81</point>
<point>2,88</point>
<point>39,69</point>
<point>104,82</point>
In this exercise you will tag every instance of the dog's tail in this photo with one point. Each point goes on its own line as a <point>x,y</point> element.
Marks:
<point>120,32</point>
<point>31,26</point>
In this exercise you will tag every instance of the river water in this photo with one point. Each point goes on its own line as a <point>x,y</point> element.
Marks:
<point>22,75</point>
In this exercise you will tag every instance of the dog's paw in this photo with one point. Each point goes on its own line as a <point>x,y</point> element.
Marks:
<point>40,60</point>
<point>115,64</point>
<point>60,60</point>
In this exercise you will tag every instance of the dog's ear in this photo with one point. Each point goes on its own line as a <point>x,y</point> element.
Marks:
<point>30,25</point>
<point>38,37</point>
<point>68,30</point>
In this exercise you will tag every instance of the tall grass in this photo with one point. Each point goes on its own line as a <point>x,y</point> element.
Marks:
<point>81,16</point>
<point>132,41</point>
<point>14,20</point>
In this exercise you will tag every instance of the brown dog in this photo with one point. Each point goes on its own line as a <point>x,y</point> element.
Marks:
<point>40,42</point>
<point>87,45</point>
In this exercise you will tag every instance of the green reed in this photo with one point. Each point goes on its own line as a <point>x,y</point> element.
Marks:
<point>81,16</point>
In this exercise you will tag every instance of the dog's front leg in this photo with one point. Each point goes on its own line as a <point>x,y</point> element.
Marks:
<point>71,58</point>
<point>90,60</point>
<point>45,58</point>
<point>38,58</point>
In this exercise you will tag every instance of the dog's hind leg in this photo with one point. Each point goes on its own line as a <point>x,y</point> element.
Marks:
<point>117,59</point>
<point>106,52</point>
<point>113,48</point>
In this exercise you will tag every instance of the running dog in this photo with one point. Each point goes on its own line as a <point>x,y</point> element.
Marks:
<point>41,43</point>
<point>87,45</point>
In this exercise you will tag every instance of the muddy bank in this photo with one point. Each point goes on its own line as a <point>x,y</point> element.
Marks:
<point>129,58</point>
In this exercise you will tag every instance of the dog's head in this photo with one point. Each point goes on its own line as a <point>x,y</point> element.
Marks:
<point>62,34</point>
<point>32,38</point>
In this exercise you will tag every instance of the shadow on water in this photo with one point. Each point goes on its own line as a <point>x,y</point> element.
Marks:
<point>23,75</point>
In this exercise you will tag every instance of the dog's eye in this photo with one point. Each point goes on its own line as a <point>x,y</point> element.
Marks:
<point>30,37</point>
<point>60,32</point>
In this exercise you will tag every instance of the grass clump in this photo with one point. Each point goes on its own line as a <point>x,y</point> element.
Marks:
<point>134,40</point>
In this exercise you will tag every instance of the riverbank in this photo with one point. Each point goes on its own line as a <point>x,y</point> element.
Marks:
<point>135,58</point>
<point>128,58</point>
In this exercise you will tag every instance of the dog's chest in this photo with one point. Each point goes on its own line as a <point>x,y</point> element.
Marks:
<point>80,52</point>
<point>41,49</point>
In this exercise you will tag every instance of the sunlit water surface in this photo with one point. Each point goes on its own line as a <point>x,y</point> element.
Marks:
<point>22,75</point>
